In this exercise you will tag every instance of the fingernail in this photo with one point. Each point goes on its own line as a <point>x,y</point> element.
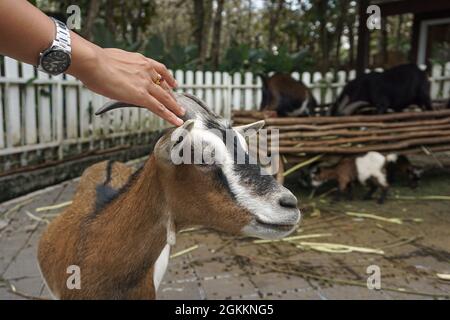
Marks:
<point>178,122</point>
<point>175,83</point>
<point>182,111</point>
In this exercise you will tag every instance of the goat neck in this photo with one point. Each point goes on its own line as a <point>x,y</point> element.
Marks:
<point>133,229</point>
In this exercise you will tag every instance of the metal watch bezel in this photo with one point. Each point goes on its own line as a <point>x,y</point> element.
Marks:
<point>45,54</point>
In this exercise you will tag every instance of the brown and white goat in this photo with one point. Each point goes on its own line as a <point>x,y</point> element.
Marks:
<point>287,96</point>
<point>120,227</point>
<point>369,168</point>
<point>404,168</point>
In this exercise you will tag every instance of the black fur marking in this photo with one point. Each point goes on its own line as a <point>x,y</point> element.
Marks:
<point>211,123</point>
<point>222,181</point>
<point>106,194</point>
<point>250,173</point>
<point>109,167</point>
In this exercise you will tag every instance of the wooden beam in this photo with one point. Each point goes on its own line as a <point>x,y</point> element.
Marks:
<point>362,57</point>
<point>389,8</point>
<point>349,119</point>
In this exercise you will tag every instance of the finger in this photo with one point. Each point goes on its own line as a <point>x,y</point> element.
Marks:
<point>162,70</point>
<point>166,99</point>
<point>159,109</point>
<point>155,76</point>
<point>163,84</point>
<point>167,88</point>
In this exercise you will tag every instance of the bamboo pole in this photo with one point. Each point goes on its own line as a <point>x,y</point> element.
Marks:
<point>364,149</point>
<point>398,137</point>
<point>348,119</point>
<point>354,133</point>
<point>392,125</point>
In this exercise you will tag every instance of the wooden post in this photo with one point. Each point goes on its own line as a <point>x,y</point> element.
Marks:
<point>280,173</point>
<point>362,59</point>
<point>218,93</point>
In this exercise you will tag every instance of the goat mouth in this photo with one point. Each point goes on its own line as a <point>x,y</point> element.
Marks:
<point>275,226</point>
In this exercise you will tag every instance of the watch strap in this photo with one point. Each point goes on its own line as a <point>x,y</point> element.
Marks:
<point>62,38</point>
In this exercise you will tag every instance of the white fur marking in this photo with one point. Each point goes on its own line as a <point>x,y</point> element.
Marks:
<point>302,110</point>
<point>161,266</point>
<point>171,232</point>
<point>52,295</point>
<point>392,157</point>
<point>371,166</point>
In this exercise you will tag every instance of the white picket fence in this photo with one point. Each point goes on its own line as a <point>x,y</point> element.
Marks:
<point>38,111</point>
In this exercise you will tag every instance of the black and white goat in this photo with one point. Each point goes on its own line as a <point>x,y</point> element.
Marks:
<point>403,167</point>
<point>369,168</point>
<point>396,88</point>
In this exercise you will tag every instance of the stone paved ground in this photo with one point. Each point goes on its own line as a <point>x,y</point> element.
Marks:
<point>225,268</point>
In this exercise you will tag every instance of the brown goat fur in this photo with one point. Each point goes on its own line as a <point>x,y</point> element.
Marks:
<point>120,226</point>
<point>285,95</point>
<point>93,239</point>
<point>345,172</point>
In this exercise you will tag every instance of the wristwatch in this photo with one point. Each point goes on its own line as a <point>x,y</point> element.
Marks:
<point>56,59</point>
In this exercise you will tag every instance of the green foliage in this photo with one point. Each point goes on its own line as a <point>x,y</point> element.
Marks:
<point>177,56</point>
<point>105,39</point>
<point>239,58</point>
<point>306,35</point>
<point>440,53</point>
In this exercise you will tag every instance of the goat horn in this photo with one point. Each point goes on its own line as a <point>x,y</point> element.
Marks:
<point>111,105</point>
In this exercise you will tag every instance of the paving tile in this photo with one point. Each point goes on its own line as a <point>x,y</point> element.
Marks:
<point>216,270</point>
<point>227,288</point>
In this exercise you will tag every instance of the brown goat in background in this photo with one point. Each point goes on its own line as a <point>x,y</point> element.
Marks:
<point>287,96</point>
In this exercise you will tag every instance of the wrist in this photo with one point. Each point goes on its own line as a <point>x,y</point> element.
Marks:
<point>85,57</point>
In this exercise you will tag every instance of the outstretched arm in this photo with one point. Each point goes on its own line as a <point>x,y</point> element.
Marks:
<point>120,75</point>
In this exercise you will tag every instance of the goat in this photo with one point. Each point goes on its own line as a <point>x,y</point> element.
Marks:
<point>403,167</point>
<point>121,225</point>
<point>367,169</point>
<point>396,88</point>
<point>287,96</point>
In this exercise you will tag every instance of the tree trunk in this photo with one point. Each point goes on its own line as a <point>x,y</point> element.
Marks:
<point>339,28</point>
<point>275,11</point>
<point>109,17</point>
<point>384,42</point>
<point>199,26</point>
<point>94,8</point>
<point>351,42</point>
<point>321,14</point>
<point>215,45</point>
<point>399,33</point>
<point>363,39</point>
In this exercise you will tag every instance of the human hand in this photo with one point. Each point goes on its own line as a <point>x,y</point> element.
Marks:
<point>130,77</point>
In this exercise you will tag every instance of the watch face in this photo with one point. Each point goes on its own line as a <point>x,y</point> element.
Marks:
<point>55,62</point>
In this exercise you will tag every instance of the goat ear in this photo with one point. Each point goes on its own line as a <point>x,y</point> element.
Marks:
<point>250,128</point>
<point>187,126</point>
<point>111,105</point>
<point>180,141</point>
<point>180,135</point>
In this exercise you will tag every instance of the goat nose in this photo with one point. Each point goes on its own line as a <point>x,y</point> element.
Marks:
<point>288,201</point>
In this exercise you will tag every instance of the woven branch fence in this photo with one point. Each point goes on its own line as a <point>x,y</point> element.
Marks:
<point>402,133</point>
